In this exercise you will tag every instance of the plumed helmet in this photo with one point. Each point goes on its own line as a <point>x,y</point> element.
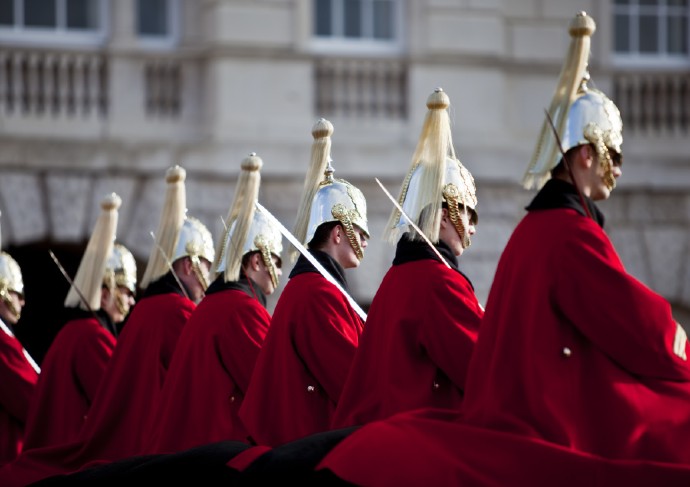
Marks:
<point>247,229</point>
<point>121,268</point>
<point>580,114</point>
<point>169,226</point>
<point>91,273</point>
<point>458,188</point>
<point>262,236</point>
<point>591,112</point>
<point>195,241</point>
<point>327,199</point>
<point>436,176</point>
<point>178,235</point>
<point>336,200</point>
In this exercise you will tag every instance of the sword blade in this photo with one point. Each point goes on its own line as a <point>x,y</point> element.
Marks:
<point>31,361</point>
<point>293,240</point>
<point>84,301</point>
<point>413,225</point>
<point>170,266</point>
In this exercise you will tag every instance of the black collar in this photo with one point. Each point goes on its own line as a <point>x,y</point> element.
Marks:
<point>334,269</point>
<point>412,250</point>
<point>164,285</point>
<point>557,193</point>
<point>244,284</point>
<point>76,313</point>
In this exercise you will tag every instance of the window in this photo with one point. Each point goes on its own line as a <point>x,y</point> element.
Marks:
<point>352,23</point>
<point>651,30</point>
<point>157,22</point>
<point>53,21</point>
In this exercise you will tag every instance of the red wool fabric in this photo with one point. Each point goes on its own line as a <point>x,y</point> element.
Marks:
<point>126,400</point>
<point>303,363</point>
<point>416,345</point>
<point>210,373</point>
<point>573,380</point>
<point>18,381</point>
<point>70,374</point>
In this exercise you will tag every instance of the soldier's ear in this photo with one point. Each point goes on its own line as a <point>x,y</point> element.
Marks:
<point>587,155</point>
<point>335,233</point>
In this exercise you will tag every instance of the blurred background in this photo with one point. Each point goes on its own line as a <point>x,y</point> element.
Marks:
<point>100,96</point>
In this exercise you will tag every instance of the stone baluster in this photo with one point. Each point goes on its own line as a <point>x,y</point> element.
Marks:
<point>49,83</point>
<point>33,105</point>
<point>78,84</point>
<point>17,81</point>
<point>63,85</point>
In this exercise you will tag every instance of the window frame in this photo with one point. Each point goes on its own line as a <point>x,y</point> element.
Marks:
<point>339,44</point>
<point>659,59</point>
<point>166,42</point>
<point>59,36</point>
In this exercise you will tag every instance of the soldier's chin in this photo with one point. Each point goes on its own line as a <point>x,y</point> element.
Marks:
<point>466,242</point>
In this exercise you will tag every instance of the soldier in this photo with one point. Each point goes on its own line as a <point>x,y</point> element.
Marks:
<point>119,285</point>
<point>580,373</point>
<point>214,360</point>
<point>424,319</point>
<point>100,297</point>
<point>175,279</point>
<point>315,329</point>
<point>18,372</point>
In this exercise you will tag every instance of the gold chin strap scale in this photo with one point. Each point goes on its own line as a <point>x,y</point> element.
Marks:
<point>264,248</point>
<point>196,265</point>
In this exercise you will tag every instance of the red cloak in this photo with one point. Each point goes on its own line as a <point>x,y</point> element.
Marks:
<point>576,351</point>
<point>17,384</point>
<point>573,380</point>
<point>303,363</point>
<point>126,399</point>
<point>417,343</point>
<point>434,447</point>
<point>70,374</point>
<point>210,373</point>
